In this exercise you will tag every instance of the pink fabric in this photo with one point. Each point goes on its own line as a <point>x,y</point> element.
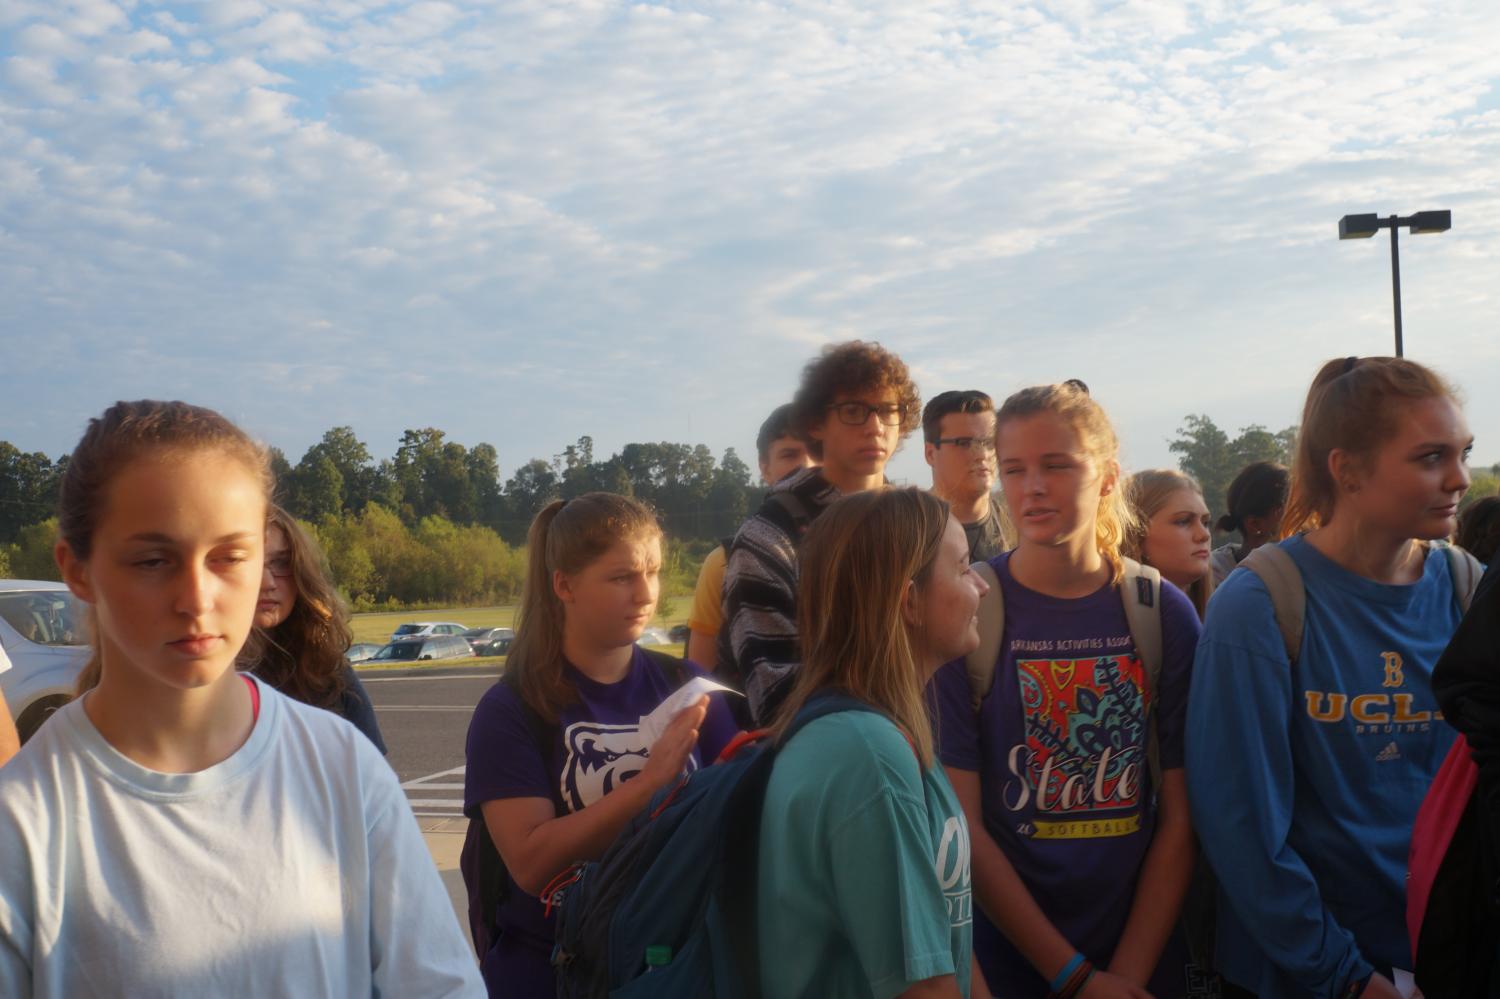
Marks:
<point>1437,820</point>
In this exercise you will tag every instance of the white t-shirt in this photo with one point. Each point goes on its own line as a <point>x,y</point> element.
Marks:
<point>292,868</point>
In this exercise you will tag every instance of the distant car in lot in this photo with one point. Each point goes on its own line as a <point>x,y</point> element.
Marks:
<point>360,651</point>
<point>422,649</point>
<point>42,631</point>
<point>654,636</point>
<point>487,641</point>
<point>680,633</point>
<point>421,629</point>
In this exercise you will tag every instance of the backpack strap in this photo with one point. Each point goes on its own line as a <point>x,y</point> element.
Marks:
<point>982,661</point>
<point>1283,581</point>
<point>796,511</point>
<point>1140,591</point>
<point>670,666</point>
<point>1466,572</point>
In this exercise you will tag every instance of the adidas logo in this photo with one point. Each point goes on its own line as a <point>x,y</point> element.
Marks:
<point>1390,752</point>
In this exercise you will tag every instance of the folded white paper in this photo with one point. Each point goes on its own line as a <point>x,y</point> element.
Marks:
<point>654,724</point>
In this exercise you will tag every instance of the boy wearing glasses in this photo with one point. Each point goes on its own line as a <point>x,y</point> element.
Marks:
<point>855,405</point>
<point>959,430</point>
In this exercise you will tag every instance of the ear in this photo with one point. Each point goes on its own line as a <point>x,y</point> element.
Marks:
<point>1346,470</point>
<point>816,430</point>
<point>929,451</point>
<point>1110,479</point>
<point>75,572</point>
<point>765,473</point>
<point>562,586</point>
<point>911,605</point>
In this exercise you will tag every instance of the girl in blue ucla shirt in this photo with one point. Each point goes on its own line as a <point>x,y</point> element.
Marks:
<point>1306,767</point>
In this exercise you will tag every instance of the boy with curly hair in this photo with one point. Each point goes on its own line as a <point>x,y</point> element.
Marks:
<point>855,405</point>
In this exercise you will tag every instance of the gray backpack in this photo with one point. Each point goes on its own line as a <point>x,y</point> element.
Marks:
<point>1140,590</point>
<point>1283,582</point>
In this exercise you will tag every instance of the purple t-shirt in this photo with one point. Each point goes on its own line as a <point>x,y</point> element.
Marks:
<point>598,747</point>
<point>1060,748</point>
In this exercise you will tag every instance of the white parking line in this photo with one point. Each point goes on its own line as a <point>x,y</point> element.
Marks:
<point>420,781</point>
<point>392,679</point>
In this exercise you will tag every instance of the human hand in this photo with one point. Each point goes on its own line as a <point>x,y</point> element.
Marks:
<point>1380,987</point>
<point>1103,985</point>
<point>669,753</point>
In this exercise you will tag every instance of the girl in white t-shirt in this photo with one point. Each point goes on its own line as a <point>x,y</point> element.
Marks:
<point>181,829</point>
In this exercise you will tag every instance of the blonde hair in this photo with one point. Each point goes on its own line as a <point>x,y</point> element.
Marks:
<point>1349,408</point>
<point>1070,402</point>
<point>567,536</point>
<point>855,563</point>
<point>125,433</point>
<point>303,656</point>
<point>1147,492</point>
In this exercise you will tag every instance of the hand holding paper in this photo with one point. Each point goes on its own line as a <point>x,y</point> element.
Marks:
<point>653,725</point>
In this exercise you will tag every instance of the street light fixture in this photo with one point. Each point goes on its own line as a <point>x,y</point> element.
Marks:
<point>1365,226</point>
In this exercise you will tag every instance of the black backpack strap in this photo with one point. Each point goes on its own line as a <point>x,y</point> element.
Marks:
<point>795,511</point>
<point>671,667</point>
<point>740,870</point>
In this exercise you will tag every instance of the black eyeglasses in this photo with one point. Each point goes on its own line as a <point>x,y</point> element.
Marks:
<point>981,444</point>
<point>857,414</point>
<point>279,567</point>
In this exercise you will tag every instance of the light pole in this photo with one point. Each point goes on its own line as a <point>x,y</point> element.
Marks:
<point>1365,226</point>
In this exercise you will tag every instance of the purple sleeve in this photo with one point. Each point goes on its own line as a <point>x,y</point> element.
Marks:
<point>718,728</point>
<point>501,756</point>
<point>1179,639</point>
<point>957,721</point>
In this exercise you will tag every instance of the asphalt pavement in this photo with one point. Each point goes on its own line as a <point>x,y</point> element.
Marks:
<point>424,718</point>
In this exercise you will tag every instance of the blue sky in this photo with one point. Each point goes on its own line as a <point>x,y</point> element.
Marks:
<point>523,223</point>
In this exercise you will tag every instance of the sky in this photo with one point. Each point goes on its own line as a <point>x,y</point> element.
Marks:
<point>526,222</point>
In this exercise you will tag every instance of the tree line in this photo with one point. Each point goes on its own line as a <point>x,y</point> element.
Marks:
<point>436,525</point>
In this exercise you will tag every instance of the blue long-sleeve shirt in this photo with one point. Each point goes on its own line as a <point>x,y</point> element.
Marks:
<point>1305,779</point>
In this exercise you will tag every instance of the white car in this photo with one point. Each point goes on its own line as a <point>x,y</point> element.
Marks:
<point>426,629</point>
<point>43,633</point>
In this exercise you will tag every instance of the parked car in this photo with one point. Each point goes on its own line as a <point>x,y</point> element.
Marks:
<point>679,633</point>
<point>43,633</point>
<point>360,651</point>
<point>421,629</point>
<point>654,636</point>
<point>421,649</point>
<point>487,641</point>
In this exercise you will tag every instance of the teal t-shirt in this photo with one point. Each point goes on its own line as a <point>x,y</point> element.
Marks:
<point>864,866</point>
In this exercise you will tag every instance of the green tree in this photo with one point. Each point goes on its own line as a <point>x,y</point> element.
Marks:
<point>533,486</point>
<point>1209,455</point>
<point>31,555</point>
<point>1482,484</point>
<point>28,488</point>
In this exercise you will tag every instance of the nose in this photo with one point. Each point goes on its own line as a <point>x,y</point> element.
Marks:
<point>1200,532</point>
<point>195,590</point>
<point>979,583</point>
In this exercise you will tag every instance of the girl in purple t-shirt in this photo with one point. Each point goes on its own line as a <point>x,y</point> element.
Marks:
<point>556,765</point>
<point>1080,864</point>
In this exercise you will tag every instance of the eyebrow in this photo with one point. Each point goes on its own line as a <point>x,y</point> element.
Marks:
<point>1429,445</point>
<point>157,538</point>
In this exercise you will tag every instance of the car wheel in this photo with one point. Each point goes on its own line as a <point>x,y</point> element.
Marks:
<point>31,719</point>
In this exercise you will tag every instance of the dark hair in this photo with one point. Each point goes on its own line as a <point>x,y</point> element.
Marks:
<point>1479,529</point>
<point>303,656</point>
<point>849,368</point>
<point>953,401</point>
<point>122,434</point>
<point>775,427</point>
<point>1256,491</point>
<point>567,536</point>
<point>1351,406</point>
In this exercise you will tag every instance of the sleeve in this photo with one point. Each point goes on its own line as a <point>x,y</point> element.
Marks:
<point>417,947</point>
<point>719,728</point>
<point>760,612</point>
<point>881,855</point>
<point>707,614</point>
<point>1241,785</point>
<point>1179,640</point>
<point>500,755</point>
<point>359,710</point>
<point>1466,680</point>
<point>957,721</point>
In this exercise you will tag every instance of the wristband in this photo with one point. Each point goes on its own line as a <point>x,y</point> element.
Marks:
<point>1060,982</point>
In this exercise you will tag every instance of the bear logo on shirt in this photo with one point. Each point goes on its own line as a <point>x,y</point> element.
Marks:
<point>599,758</point>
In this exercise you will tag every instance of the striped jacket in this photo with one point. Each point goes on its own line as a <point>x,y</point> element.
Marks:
<point>758,641</point>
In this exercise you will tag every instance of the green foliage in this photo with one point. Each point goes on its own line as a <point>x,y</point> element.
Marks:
<point>28,488</point>
<point>31,555</point>
<point>1482,484</point>
<point>1209,455</point>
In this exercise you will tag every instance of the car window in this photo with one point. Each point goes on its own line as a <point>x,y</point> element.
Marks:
<point>46,617</point>
<point>407,629</point>
<point>476,633</point>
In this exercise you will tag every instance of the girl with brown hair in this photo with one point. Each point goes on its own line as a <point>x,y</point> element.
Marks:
<point>864,852</point>
<point>556,760</point>
<point>181,829</point>
<point>1312,743</point>
<point>1171,530</point>
<point>302,629</point>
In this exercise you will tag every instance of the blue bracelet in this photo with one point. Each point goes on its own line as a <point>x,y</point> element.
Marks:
<point>1061,981</point>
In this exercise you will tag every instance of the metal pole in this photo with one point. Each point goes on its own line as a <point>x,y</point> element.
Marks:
<point>1396,283</point>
